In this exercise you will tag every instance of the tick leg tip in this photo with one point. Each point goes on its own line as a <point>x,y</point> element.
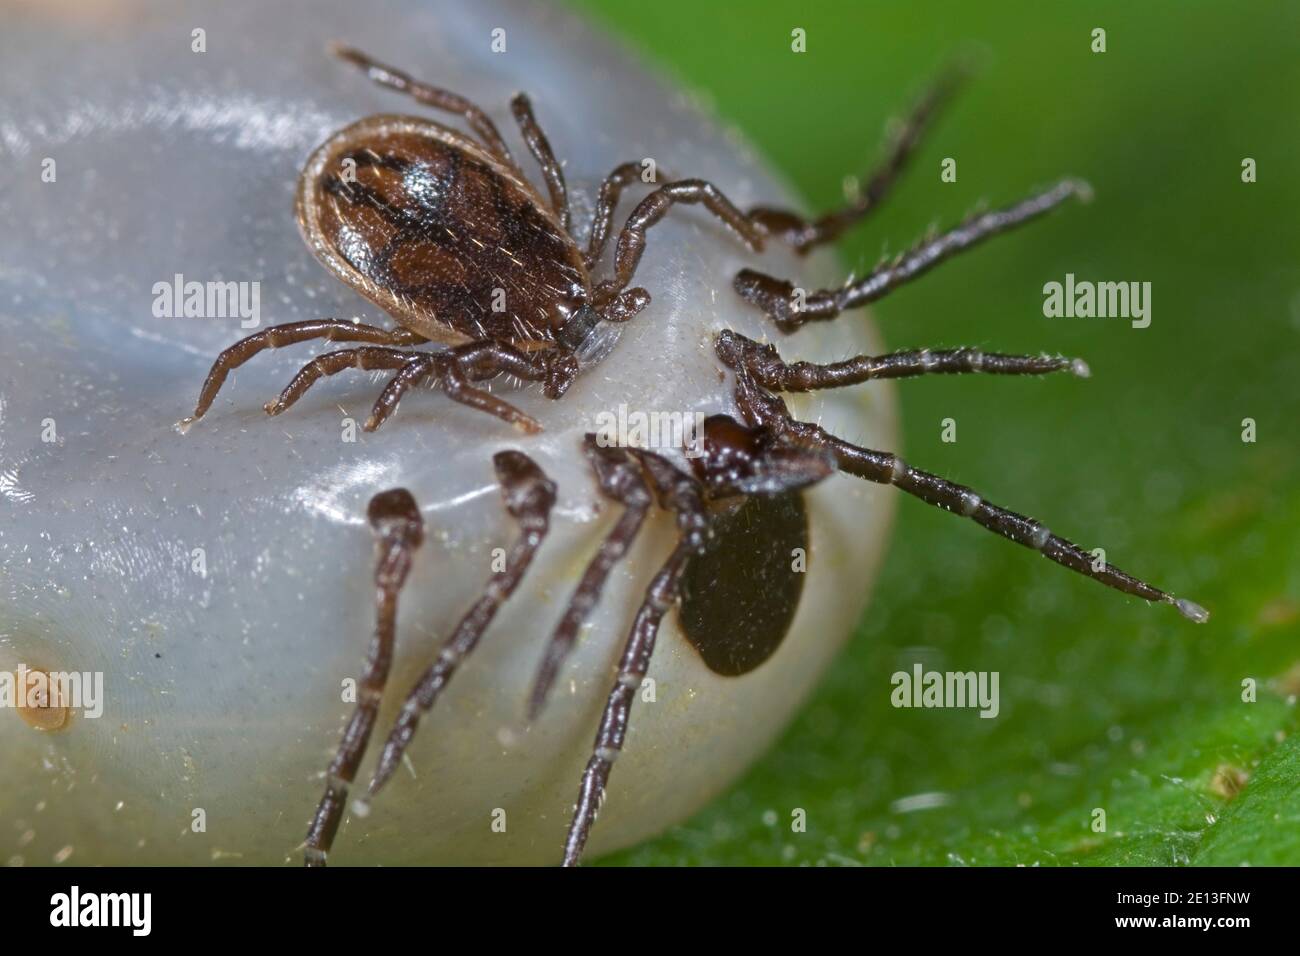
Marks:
<point>184,424</point>
<point>1191,610</point>
<point>536,704</point>
<point>1080,368</point>
<point>1082,189</point>
<point>361,807</point>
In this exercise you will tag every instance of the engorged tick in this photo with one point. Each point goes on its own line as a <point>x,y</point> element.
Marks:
<point>444,232</point>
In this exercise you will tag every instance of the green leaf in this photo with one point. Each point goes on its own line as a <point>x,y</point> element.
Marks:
<point>1262,827</point>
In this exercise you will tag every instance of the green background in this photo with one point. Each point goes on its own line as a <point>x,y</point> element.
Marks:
<point>1106,702</point>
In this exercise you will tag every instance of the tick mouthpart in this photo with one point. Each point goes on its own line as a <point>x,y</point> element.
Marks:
<point>574,333</point>
<point>1081,188</point>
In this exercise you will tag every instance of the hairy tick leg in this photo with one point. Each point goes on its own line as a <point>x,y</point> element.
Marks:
<point>399,530</point>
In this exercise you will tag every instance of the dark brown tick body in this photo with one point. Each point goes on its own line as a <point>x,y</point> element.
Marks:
<point>445,233</point>
<point>432,228</point>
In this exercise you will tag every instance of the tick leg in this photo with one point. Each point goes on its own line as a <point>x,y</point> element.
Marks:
<point>452,370</point>
<point>619,479</point>
<point>453,380</point>
<point>529,496</point>
<point>631,241</point>
<point>766,367</point>
<point>611,189</point>
<point>278,336</point>
<point>398,532</point>
<point>780,299</point>
<point>540,147</point>
<point>331,363</point>
<point>433,96</point>
<point>681,494</point>
<point>456,368</point>
<point>762,408</point>
<point>804,235</point>
<point>784,224</point>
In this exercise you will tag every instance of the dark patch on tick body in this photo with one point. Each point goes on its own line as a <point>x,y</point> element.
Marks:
<point>740,595</point>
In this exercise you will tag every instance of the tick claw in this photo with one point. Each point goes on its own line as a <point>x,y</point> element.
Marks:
<point>1082,189</point>
<point>1191,610</point>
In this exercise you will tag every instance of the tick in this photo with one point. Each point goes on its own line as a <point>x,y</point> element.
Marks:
<point>444,232</point>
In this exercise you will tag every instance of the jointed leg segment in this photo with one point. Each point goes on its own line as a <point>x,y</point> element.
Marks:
<point>619,479</point>
<point>540,147</point>
<point>764,408</point>
<point>602,221</point>
<point>454,369</point>
<point>760,222</point>
<point>432,96</point>
<point>767,368</point>
<point>399,531</point>
<point>803,235</point>
<point>778,298</point>
<point>632,240</point>
<point>278,336</point>
<point>681,494</point>
<point>529,497</point>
